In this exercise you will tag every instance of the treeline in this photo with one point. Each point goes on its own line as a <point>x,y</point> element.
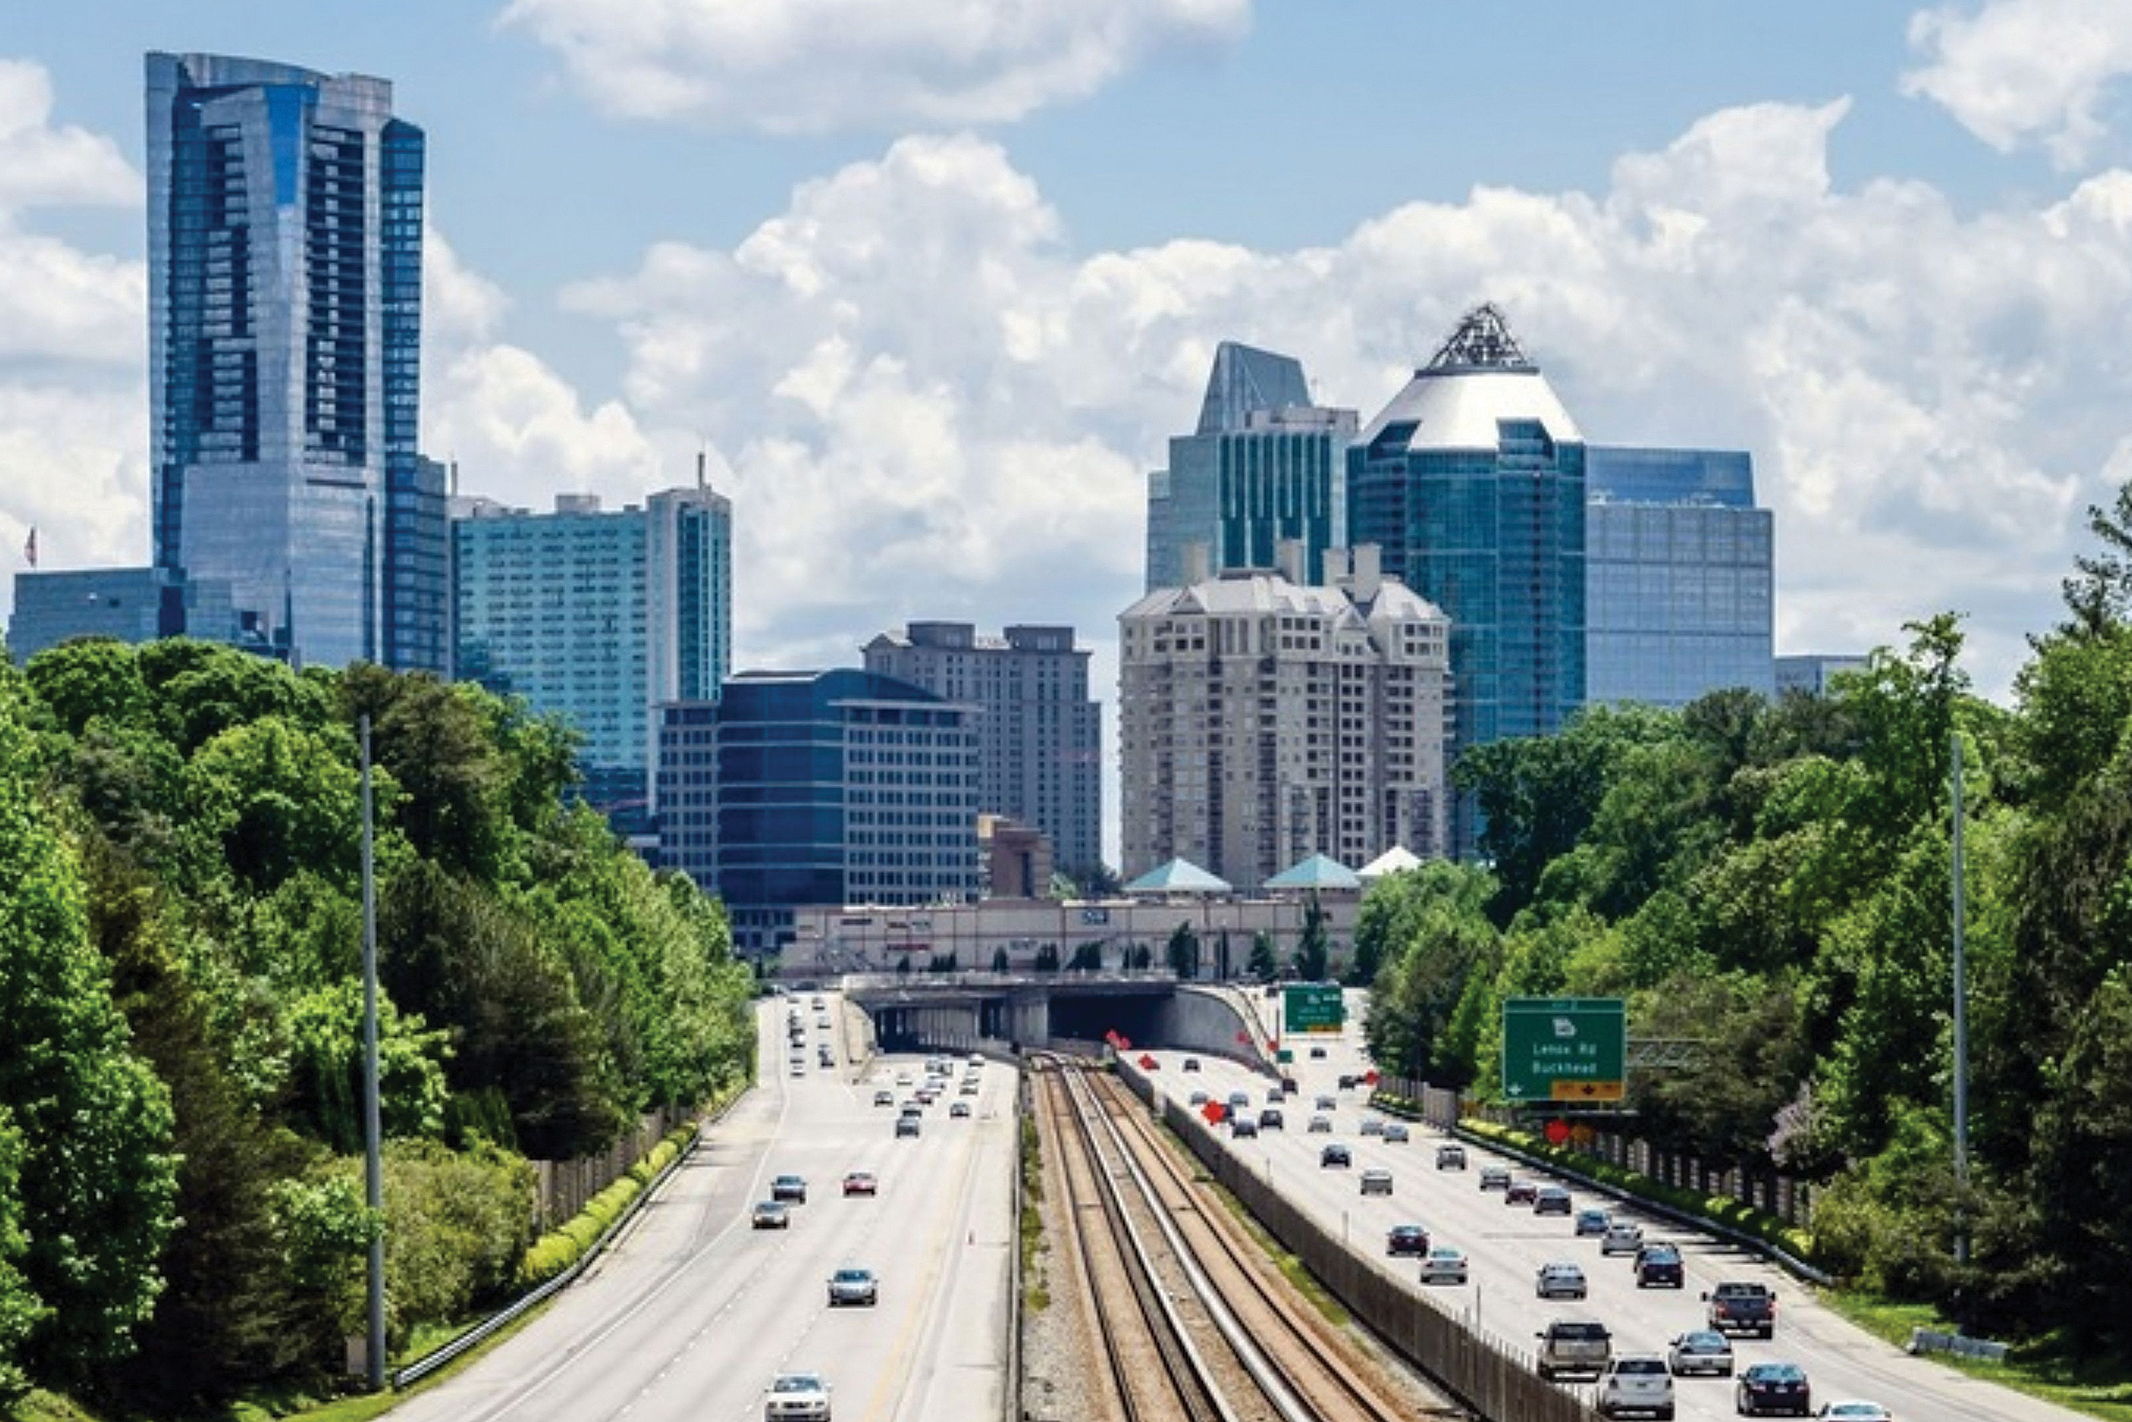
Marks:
<point>1770,884</point>
<point>182,1215</point>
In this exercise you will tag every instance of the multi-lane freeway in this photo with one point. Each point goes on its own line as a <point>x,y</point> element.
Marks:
<point>1506,1246</point>
<point>694,1311</point>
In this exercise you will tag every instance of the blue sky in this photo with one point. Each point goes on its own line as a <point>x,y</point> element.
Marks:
<point>934,281</point>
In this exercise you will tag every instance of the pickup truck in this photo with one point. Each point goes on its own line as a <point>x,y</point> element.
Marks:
<point>1743,1308</point>
<point>1571,1345</point>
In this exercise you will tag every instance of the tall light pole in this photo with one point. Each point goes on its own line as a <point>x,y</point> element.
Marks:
<point>1961,1019</point>
<point>373,1134</point>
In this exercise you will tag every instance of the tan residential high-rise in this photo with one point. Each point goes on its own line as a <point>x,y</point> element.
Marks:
<point>1261,721</point>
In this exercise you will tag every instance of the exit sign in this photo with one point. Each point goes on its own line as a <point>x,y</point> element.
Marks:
<point>1564,1049</point>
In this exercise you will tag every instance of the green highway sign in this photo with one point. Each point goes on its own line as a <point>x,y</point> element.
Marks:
<point>1315,1007</point>
<point>1564,1049</point>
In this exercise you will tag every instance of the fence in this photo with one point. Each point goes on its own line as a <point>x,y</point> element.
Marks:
<point>1790,1200</point>
<point>1484,1373</point>
<point>563,1186</point>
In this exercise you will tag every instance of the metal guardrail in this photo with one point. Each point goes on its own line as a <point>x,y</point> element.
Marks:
<point>1961,1345</point>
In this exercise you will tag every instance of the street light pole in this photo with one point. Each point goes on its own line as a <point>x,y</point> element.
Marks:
<point>1961,1018</point>
<point>373,1144</point>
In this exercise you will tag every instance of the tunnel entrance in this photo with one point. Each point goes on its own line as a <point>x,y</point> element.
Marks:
<point>1137,1016</point>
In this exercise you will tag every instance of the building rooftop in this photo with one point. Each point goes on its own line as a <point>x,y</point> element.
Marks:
<point>1478,378</point>
<point>1246,381</point>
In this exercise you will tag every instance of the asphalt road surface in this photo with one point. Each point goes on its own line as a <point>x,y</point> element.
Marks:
<point>694,1311</point>
<point>1506,1245</point>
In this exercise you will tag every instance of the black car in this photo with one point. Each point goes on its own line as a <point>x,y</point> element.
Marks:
<point>1774,1389</point>
<point>1407,1239</point>
<point>1659,1266</point>
<point>1550,1200</point>
<point>1334,1155</point>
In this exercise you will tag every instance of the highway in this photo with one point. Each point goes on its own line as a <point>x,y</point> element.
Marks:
<point>694,1311</point>
<point>1506,1245</point>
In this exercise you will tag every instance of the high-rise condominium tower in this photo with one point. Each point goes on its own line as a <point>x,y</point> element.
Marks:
<point>285,318</point>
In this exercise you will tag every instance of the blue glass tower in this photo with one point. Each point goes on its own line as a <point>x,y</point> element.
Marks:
<point>1472,481</point>
<point>1263,467</point>
<point>285,300</point>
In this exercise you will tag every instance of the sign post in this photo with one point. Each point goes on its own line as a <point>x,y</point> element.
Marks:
<point>1558,1049</point>
<point>1313,1007</point>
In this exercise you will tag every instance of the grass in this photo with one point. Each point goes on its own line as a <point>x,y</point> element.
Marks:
<point>1292,1268</point>
<point>1036,1293</point>
<point>2094,1388</point>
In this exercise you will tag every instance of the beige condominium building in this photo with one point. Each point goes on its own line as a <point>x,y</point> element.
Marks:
<point>1262,721</point>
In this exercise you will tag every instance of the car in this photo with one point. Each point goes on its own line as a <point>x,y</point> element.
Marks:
<point>797,1397</point>
<point>1453,1157</point>
<point>771,1214</point>
<point>1395,1132</point>
<point>861,1182</point>
<point>825,1059</point>
<point>1659,1266</point>
<point>1325,1103</point>
<point>1406,1239</point>
<point>1590,1222</point>
<point>1855,1410</point>
<point>1622,1237</point>
<point>1573,1345</point>
<point>856,1287</point>
<point>1494,1177</point>
<point>1376,1181</point>
<point>912,1109</point>
<point>1191,1064</point>
<point>1737,1307</point>
<point>903,1078</point>
<point>960,1111</point>
<point>1320,1125</point>
<point>1349,1083</point>
<point>1334,1156</point>
<point>976,1061</point>
<point>1273,1096</point>
<point>1443,1265</point>
<point>1703,1353</point>
<point>799,1068</point>
<point>906,1126</point>
<point>1560,1280</point>
<point>789,1187</point>
<point>1638,1383</point>
<point>1371,1126</point>
<point>1199,1098</point>
<point>969,1087</point>
<point>884,1098</point>
<point>1520,1192</point>
<point>1773,1389</point>
<point>815,1003</point>
<point>1317,1054</point>
<point>1239,1100</point>
<point>1550,1200</point>
<point>1242,1128</point>
<point>1271,1119</point>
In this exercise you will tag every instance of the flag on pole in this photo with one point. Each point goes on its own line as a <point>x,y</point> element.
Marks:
<point>29,547</point>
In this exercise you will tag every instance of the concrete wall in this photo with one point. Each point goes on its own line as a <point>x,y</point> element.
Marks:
<point>1207,1021</point>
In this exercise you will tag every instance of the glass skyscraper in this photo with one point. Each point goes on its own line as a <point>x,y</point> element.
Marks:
<point>1679,570</point>
<point>1263,468</point>
<point>285,309</point>
<point>1473,482</point>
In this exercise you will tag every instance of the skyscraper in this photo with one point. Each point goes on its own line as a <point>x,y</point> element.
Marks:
<point>1678,575</point>
<point>1039,735</point>
<point>1264,466</point>
<point>1472,479</point>
<point>598,617</point>
<point>285,308</point>
<point>1261,721</point>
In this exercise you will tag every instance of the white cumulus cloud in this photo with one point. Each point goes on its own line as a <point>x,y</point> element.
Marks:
<point>2016,71</point>
<point>811,65</point>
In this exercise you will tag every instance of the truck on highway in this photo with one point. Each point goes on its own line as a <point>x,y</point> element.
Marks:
<point>1742,1308</point>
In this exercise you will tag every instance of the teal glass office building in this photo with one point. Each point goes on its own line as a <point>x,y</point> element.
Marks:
<point>1262,468</point>
<point>285,299</point>
<point>598,617</point>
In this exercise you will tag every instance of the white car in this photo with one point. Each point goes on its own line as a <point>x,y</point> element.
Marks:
<point>797,1397</point>
<point>1376,1181</point>
<point>1621,1238</point>
<point>1636,1382</point>
<point>856,1287</point>
<point>1443,1265</point>
<point>1855,1411</point>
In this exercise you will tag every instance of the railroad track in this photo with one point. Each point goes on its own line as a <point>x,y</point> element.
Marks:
<point>1250,1352</point>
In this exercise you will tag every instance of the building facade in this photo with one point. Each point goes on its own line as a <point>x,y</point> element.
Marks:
<point>285,286</point>
<point>1261,720</point>
<point>1679,576</point>
<point>1040,735</point>
<point>600,618</point>
<point>1809,672</point>
<point>825,787</point>
<point>1263,467</point>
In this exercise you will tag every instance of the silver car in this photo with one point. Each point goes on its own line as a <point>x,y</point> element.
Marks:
<point>1702,1353</point>
<point>1443,1265</point>
<point>1560,1280</point>
<point>855,1287</point>
<point>797,1397</point>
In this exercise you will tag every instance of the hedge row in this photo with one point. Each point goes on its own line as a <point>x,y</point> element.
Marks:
<point>1734,1214</point>
<point>560,1248</point>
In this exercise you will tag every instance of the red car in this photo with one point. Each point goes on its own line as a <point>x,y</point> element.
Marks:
<point>860,1182</point>
<point>1520,1192</point>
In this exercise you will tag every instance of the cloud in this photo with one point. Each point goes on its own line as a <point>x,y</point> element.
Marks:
<point>2021,70</point>
<point>45,166</point>
<point>787,66</point>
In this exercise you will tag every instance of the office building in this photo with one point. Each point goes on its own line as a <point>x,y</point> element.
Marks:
<point>1262,720</point>
<point>1472,479</point>
<point>598,617</point>
<point>126,604</point>
<point>1040,736</point>
<point>1810,673</point>
<point>284,302</point>
<point>1263,467</point>
<point>820,787</point>
<point>1678,576</point>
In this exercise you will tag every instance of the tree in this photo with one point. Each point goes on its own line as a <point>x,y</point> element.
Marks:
<point>2099,594</point>
<point>999,960</point>
<point>1262,962</point>
<point>1047,958</point>
<point>1182,952</point>
<point>88,679</point>
<point>1313,950</point>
